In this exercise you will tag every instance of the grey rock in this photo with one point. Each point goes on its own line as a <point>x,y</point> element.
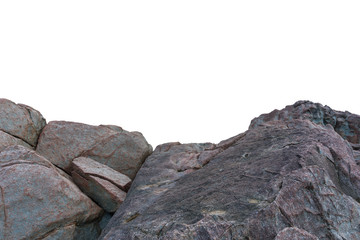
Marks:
<point>37,201</point>
<point>294,233</point>
<point>344,123</point>
<point>279,174</point>
<point>21,121</point>
<point>123,151</point>
<point>9,140</point>
<point>104,185</point>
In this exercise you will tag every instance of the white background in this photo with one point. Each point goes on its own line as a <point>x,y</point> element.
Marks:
<point>188,71</point>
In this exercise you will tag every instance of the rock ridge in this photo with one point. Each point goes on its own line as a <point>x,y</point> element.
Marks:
<point>294,174</point>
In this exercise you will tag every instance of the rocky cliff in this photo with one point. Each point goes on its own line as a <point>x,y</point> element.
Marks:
<point>293,175</point>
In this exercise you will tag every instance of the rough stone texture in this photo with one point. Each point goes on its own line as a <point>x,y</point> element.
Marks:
<point>294,233</point>
<point>345,123</point>
<point>86,167</point>
<point>8,140</point>
<point>277,175</point>
<point>61,142</point>
<point>37,201</point>
<point>101,183</point>
<point>21,121</point>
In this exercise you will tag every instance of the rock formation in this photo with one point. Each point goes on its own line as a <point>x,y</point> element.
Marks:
<point>294,174</point>
<point>70,186</point>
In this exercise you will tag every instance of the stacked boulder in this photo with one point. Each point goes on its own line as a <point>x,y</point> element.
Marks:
<point>62,180</point>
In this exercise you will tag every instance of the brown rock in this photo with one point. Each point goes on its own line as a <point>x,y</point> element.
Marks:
<point>36,200</point>
<point>61,142</point>
<point>21,121</point>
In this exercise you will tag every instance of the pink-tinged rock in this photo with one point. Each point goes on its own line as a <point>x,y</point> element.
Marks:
<point>36,200</point>
<point>86,167</point>
<point>61,142</point>
<point>8,140</point>
<point>294,233</point>
<point>103,192</point>
<point>21,121</point>
<point>276,175</point>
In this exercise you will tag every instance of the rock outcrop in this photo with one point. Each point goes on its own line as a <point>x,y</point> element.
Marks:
<point>284,178</point>
<point>295,174</point>
<point>61,142</point>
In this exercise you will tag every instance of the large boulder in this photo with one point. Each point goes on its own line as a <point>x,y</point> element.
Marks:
<point>21,121</point>
<point>61,142</point>
<point>277,175</point>
<point>37,201</point>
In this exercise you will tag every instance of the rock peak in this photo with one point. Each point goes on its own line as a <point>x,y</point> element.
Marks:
<point>344,123</point>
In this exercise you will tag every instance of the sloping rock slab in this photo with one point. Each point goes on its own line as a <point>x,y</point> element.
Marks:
<point>277,175</point>
<point>21,121</point>
<point>9,140</point>
<point>100,183</point>
<point>36,200</point>
<point>86,167</point>
<point>61,142</point>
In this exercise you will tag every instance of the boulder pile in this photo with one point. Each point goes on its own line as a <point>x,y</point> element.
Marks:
<point>294,174</point>
<point>62,180</point>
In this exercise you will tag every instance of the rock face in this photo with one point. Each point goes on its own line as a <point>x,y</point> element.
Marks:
<point>21,121</point>
<point>292,175</point>
<point>104,185</point>
<point>38,202</point>
<point>61,142</point>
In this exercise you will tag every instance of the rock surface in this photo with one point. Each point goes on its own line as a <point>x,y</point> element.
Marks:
<point>8,140</point>
<point>38,202</point>
<point>103,184</point>
<point>61,142</point>
<point>345,123</point>
<point>295,174</point>
<point>21,121</point>
<point>283,174</point>
<point>294,233</point>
